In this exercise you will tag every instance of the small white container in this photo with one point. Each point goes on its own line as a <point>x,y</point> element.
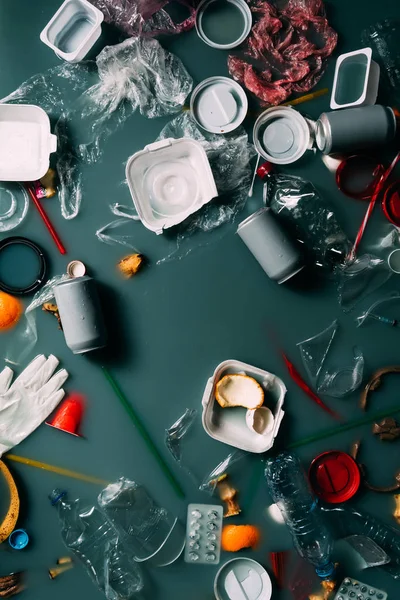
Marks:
<point>222,13</point>
<point>356,80</point>
<point>228,425</point>
<point>25,142</point>
<point>169,180</point>
<point>73,30</point>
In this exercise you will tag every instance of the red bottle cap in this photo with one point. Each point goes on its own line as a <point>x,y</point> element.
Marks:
<point>334,476</point>
<point>264,169</point>
<point>391,203</point>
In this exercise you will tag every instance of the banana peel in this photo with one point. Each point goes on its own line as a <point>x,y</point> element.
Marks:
<point>11,518</point>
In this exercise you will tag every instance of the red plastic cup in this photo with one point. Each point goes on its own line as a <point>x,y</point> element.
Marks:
<point>69,416</point>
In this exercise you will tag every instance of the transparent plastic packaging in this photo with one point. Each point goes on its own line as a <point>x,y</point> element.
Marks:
<point>370,554</point>
<point>147,530</point>
<point>349,521</point>
<point>341,382</point>
<point>25,334</point>
<point>177,431</point>
<point>359,278</point>
<point>310,219</point>
<point>92,539</point>
<point>290,489</point>
<point>89,101</point>
<point>146,17</point>
<point>383,37</point>
<point>314,350</point>
<point>373,313</point>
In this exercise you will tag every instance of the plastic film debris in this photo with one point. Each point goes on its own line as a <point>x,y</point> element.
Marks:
<point>373,313</point>
<point>90,101</point>
<point>359,278</point>
<point>177,431</point>
<point>111,233</point>
<point>314,350</point>
<point>343,381</point>
<point>210,482</point>
<point>310,219</point>
<point>25,334</point>
<point>229,158</point>
<point>383,38</point>
<point>286,51</point>
<point>146,17</point>
<point>369,553</point>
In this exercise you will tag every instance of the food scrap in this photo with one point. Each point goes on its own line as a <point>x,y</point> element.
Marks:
<point>388,429</point>
<point>396,513</point>
<point>228,494</point>
<point>53,310</point>
<point>12,584</point>
<point>239,390</point>
<point>130,265</point>
<point>10,311</point>
<point>11,518</point>
<point>237,537</point>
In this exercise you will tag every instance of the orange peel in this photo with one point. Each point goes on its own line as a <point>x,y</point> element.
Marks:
<point>237,537</point>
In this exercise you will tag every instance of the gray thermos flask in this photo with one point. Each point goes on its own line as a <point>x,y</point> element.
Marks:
<point>269,244</point>
<point>352,129</point>
<point>80,313</point>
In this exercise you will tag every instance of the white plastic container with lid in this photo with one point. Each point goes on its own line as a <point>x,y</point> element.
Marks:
<point>73,30</point>
<point>282,135</point>
<point>229,425</point>
<point>356,80</point>
<point>25,142</point>
<point>169,180</point>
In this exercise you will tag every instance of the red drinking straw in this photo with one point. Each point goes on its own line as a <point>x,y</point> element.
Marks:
<point>46,220</point>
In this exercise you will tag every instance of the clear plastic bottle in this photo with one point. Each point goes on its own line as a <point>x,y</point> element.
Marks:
<point>94,541</point>
<point>290,489</point>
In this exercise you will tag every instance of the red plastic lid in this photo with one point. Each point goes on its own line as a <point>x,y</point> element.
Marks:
<point>391,203</point>
<point>334,476</point>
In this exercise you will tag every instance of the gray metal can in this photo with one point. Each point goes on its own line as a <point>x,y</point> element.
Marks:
<point>353,129</point>
<point>81,316</point>
<point>269,244</point>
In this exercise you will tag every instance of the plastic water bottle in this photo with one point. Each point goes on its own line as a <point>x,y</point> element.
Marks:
<point>94,541</point>
<point>290,490</point>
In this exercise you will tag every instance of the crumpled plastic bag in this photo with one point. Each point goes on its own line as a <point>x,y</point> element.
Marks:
<point>309,217</point>
<point>146,17</point>
<point>229,158</point>
<point>90,101</point>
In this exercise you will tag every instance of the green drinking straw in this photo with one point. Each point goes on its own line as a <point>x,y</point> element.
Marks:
<point>345,427</point>
<point>143,432</point>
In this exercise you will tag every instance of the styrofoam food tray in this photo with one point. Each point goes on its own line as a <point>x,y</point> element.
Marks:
<point>25,142</point>
<point>169,180</point>
<point>228,425</point>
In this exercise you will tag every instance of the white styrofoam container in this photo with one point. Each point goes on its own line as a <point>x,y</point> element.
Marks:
<point>73,30</point>
<point>169,180</point>
<point>228,425</point>
<point>369,86</point>
<point>25,142</point>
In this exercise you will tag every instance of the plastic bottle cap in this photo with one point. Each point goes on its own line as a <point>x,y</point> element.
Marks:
<point>18,539</point>
<point>264,169</point>
<point>334,476</point>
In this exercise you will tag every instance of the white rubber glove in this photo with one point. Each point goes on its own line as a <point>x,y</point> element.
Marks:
<point>26,403</point>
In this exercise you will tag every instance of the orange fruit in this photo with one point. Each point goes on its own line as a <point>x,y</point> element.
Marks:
<point>236,537</point>
<point>10,311</point>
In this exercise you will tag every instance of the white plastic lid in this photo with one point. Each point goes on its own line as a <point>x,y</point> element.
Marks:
<point>169,180</point>
<point>282,135</point>
<point>219,104</point>
<point>242,579</point>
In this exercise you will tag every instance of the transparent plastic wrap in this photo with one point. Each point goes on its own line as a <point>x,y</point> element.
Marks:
<point>314,350</point>
<point>383,37</point>
<point>117,232</point>
<point>90,101</point>
<point>25,334</point>
<point>359,278</point>
<point>346,521</point>
<point>146,17</point>
<point>310,219</point>
<point>375,310</point>
<point>210,481</point>
<point>342,381</point>
<point>177,432</point>
<point>286,51</point>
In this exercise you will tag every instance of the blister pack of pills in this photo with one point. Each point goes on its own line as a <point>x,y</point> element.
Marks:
<point>352,589</point>
<point>203,534</point>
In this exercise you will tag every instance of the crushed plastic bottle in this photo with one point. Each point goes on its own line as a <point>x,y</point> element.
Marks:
<point>94,541</point>
<point>289,488</point>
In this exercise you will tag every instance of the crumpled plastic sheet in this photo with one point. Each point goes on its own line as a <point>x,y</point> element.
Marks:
<point>286,51</point>
<point>177,431</point>
<point>342,381</point>
<point>359,278</point>
<point>90,103</point>
<point>209,482</point>
<point>310,219</point>
<point>25,335</point>
<point>230,157</point>
<point>146,17</point>
<point>111,233</point>
<point>314,350</point>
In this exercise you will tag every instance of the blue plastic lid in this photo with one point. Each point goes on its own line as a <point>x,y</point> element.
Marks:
<point>18,539</point>
<point>56,495</point>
